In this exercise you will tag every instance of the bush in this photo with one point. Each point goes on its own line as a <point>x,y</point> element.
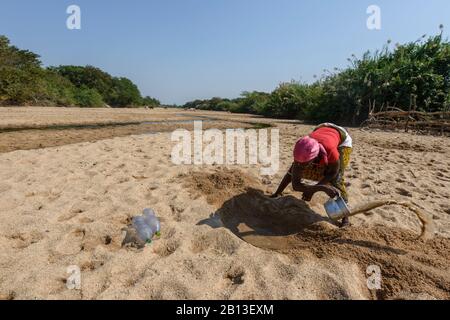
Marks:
<point>227,106</point>
<point>252,102</point>
<point>150,102</point>
<point>124,93</point>
<point>89,98</point>
<point>393,75</point>
<point>288,101</point>
<point>56,90</point>
<point>420,69</point>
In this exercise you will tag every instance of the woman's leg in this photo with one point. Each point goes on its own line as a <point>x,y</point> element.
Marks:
<point>339,182</point>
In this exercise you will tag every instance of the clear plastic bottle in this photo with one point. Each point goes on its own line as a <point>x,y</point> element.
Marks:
<point>147,226</point>
<point>152,221</point>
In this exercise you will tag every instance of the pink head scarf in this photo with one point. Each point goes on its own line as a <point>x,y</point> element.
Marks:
<point>307,149</point>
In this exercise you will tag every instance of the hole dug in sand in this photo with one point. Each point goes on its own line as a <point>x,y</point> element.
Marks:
<point>247,212</point>
<point>409,264</point>
<point>268,223</point>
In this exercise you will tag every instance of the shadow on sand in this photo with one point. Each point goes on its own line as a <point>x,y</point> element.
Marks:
<point>286,223</point>
<point>264,222</point>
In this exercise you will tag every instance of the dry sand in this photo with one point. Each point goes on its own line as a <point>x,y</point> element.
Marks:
<point>37,127</point>
<point>33,117</point>
<point>68,205</point>
<point>38,117</point>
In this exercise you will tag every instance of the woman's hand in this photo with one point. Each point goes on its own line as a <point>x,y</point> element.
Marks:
<point>276,195</point>
<point>331,191</point>
<point>307,196</point>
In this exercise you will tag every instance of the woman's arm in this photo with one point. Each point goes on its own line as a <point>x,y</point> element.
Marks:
<point>294,175</point>
<point>331,173</point>
<point>308,190</point>
<point>283,184</point>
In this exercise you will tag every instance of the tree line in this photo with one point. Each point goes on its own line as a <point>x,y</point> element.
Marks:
<point>23,81</point>
<point>397,74</point>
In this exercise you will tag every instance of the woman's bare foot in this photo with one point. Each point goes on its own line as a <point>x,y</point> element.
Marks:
<point>345,222</point>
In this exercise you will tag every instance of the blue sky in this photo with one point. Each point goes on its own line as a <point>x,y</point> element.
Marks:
<point>180,50</point>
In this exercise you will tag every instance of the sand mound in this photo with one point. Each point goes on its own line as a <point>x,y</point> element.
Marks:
<point>428,227</point>
<point>409,265</point>
<point>219,185</point>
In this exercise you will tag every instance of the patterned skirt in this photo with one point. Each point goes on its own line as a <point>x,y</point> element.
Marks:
<point>316,172</point>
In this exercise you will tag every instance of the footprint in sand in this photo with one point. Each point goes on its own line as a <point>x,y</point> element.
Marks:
<point>176,212</point>
<point>445,208</point>
<point>169,289</point>
<point>165,248</point>
<point>73,212</point>
<point>4,187</point>
<point>85,220</point>
<point>153,186</point>
<point>191,266</point>
<point>332,289</point>
<point>91,263</point>
<point>71,243</point>
<point>90,173</point>
<point>236,275</point>
<point>404,192</point>
<point>219,240</point>
<point>122,179</point>
<point>26,239</point>
<point>67,216</point>
<point>286,272</point>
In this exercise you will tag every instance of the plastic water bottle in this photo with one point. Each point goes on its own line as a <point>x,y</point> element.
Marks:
<point>152,221</point>
<point>147,226</point>
<point>144,232</point>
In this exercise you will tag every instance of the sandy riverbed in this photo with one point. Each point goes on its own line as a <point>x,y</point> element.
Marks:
<point>67,205</point>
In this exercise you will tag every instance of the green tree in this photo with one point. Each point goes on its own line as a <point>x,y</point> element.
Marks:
<point>252,102</point>
<point>20,71</point>
<point>89,77</point>
<point>125,93</point>
<point>287,101</point>
<point>88,97</point>
<point>151,102</point>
